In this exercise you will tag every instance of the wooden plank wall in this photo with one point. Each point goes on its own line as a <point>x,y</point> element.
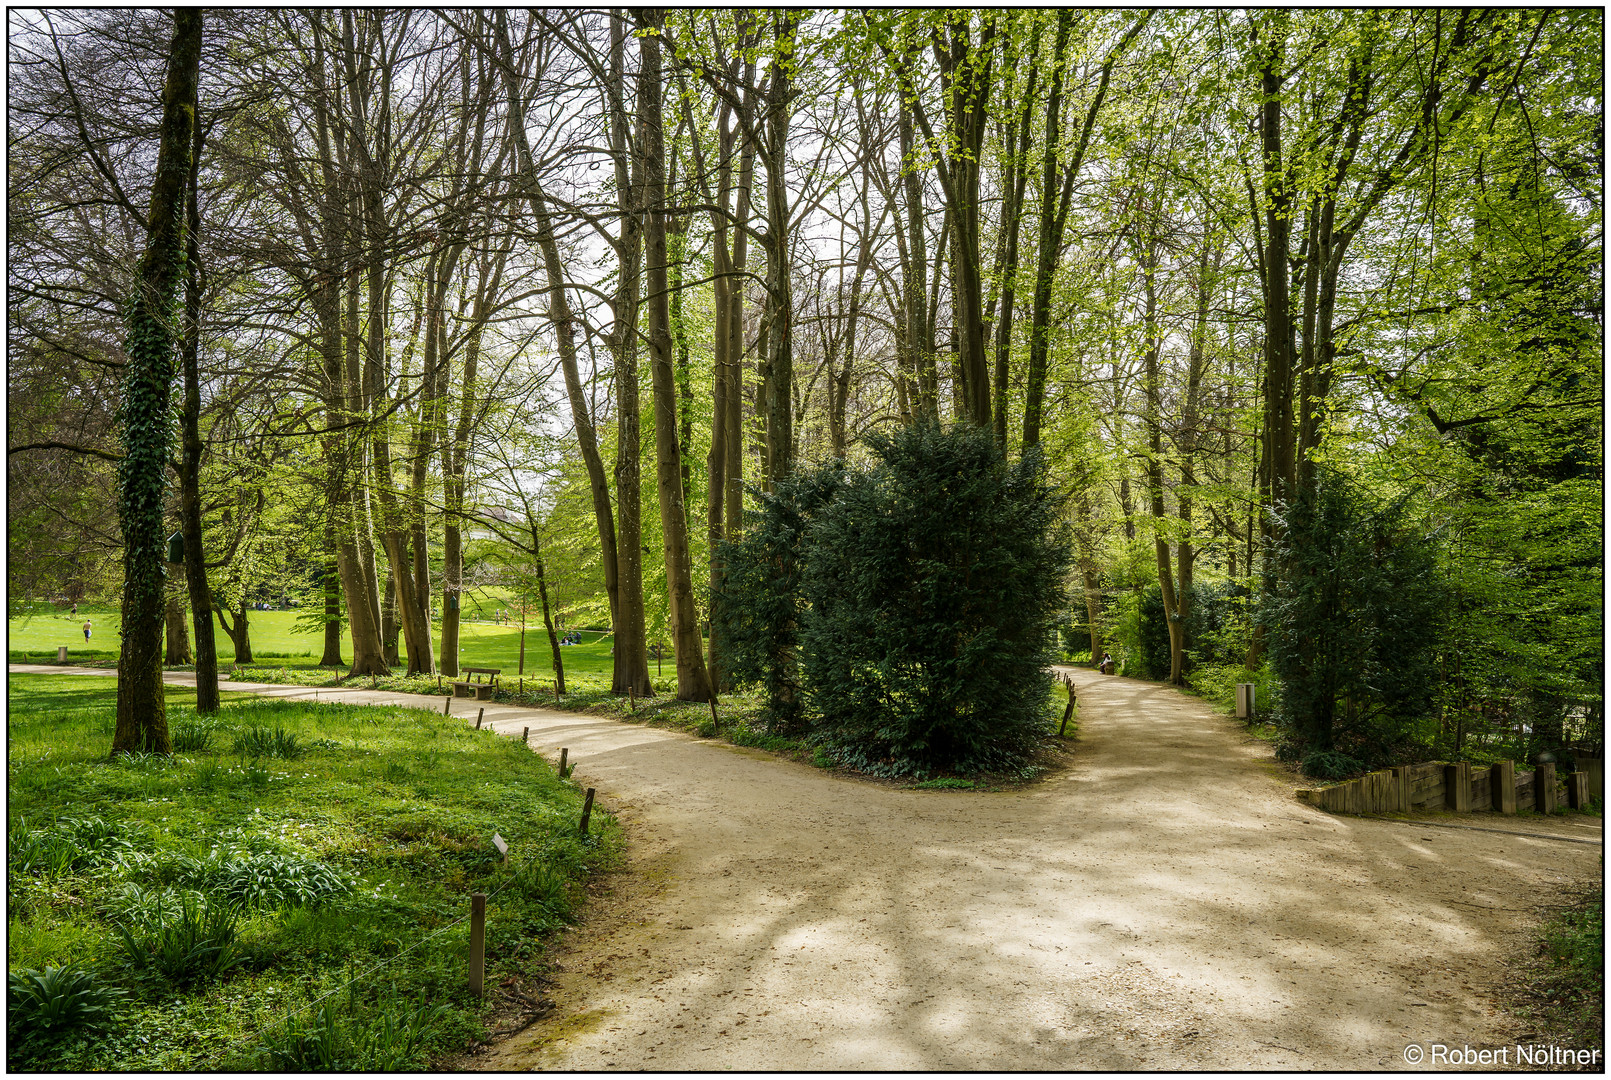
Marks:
<point>1430,786</point>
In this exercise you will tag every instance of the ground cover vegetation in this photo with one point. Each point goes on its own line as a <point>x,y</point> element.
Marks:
<point>1559,992</point>
<point>219,907</point>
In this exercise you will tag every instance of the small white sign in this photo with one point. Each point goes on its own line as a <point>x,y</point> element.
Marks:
<point>501,844</point>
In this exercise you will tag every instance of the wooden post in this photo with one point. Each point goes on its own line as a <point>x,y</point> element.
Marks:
<point>715,720</point>
<point>1502,782</point>
<point>448,704</point>
<point>1577,790</point>
<point>587,810</point>
<point>525,735</point>
<point>1457,787</point>
<point>1594,770</point>
<point>478,714</point>
<point>563,754</point>
<point>522,686</point>
<point>1544,789</point>
<point>632,700</point>
<point>439,682</point>
<point>1068,711</point>
<point>478,942</point>
<point>556,693</point>
<point>1405,787</point>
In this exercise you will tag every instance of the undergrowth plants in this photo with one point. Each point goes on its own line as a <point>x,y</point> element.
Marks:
<point>200,901</point>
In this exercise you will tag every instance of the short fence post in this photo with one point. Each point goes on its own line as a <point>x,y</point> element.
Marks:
<point>478,942</point>
<point>525,735</point>
<point>478,714</point>
<point>715,720</point>
<point>1594,773</point>
<point>439,682</point>
<point>1502,782</point>
<point>1068,711</point>
<point>1457,786</point>
<point>564,752</point>
<point>632,700</point>
<point>446,705</point>
<point>556,693</point>
<point>587,811</point>
<point>1544,789</point>
<point>1577,790</point>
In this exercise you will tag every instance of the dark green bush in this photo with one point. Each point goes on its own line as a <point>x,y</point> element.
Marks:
<point>1330,765</point>
<point>1352,621</point>
<point>758,618</point>
<point>935,581</point>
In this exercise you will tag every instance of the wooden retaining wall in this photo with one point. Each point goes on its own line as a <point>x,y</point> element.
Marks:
<point>1462,787</point>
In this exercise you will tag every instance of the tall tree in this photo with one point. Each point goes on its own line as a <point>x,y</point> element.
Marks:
<point>154,335</point>
<point>693,682</point>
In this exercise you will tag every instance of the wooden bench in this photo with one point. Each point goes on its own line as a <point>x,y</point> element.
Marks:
<point>481,688</point>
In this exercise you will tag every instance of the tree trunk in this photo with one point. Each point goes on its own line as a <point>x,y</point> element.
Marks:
<point>388,620</point>
<point>631,671</point>
<point>330,582</point>
<point>178,637</point>
<point>240,632</point>
<point>778,375</point>
<point>693,683</point>
<point>190,448</point>
<point>919,330</point>
<point>1173,615</point>
<point>548,619</point>
<point>142,719</point>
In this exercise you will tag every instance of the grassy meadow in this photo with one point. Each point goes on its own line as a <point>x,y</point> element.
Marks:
<point>283,893</point>
<point>35,632</point>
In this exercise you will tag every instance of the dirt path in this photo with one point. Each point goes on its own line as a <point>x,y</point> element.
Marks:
<point>1165,904</point>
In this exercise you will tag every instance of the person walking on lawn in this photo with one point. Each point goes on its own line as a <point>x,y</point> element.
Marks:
<point>86,631</point>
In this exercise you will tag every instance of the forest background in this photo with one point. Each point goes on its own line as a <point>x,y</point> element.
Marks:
<point>1302,309</point>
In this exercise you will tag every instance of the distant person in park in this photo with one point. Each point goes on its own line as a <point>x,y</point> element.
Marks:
<point>1107,664</point>
<point>75,609</point>
<point>86,631</point>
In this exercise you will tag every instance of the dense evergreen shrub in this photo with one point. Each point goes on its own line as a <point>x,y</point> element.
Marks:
<point>759,614</point>
<point>935,582</point>
<point>1352,621</point>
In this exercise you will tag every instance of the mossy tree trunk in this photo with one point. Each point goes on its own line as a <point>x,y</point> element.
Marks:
<point>154,333</point>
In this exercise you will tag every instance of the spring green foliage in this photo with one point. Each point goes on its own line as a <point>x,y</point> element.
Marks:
<point>220,892</point>
<point>1353,622</point>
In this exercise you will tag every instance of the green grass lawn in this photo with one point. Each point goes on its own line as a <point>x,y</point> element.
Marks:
<point>34,636</point>
<point>308,844</point>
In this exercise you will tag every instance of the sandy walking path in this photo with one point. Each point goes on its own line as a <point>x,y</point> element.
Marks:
<point>1164,904</point>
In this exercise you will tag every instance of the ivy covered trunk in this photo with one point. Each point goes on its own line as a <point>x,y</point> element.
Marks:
<point>154,334</point>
